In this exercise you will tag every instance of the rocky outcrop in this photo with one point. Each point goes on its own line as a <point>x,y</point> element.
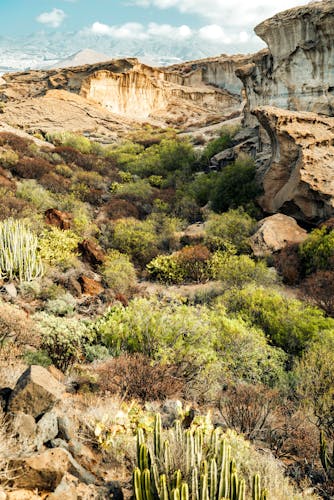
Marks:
<point>274,233</point>
<point>296,73</point>
<point>120,88</point>
<point>57,218</point>
<point>35,392</point>
<point>299,180</point>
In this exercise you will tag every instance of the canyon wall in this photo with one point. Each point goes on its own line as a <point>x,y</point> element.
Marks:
<point>297,70</point>
<point>289,89</point>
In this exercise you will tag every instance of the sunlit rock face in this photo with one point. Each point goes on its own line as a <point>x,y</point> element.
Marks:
<point>297,72</point>
<point>300,178</point>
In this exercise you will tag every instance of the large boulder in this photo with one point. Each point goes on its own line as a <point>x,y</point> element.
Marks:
<point>59,219</point>
<point>91,253</point>
<point>274,233</point>
<point>35,392</point>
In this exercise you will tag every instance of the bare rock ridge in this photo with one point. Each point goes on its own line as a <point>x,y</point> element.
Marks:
<point>115,91</point>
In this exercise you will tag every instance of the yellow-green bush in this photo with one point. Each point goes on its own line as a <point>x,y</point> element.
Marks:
<point>119,272</point>
<point>57,247</point>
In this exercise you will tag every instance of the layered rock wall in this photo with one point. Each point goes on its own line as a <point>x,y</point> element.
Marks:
<point>297,72</point>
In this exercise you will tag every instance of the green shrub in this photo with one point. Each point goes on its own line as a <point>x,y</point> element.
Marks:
<point>96,353</point>
<point>69,139</point>
<point>231,228</point>
<point>289,323</point>
<point>8,158</point>
<point>135,238</point>
<point>215,146</point>
<point>19,257</point>
<point>240,270</point>
<point>64,341</point>
<point>236,186</point>
<point>119,272</point>
<point>64,305</point>
<point>315,380</point>
<point>58,247</point>
<point>37,358</point>
<point>203,342</point>
<point>36,194</point>
<point>317,250</point>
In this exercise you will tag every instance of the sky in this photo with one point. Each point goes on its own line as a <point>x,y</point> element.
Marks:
<point>209,19</point>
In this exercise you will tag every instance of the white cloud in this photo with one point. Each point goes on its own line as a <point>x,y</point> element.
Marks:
<point>168,31</point>
<point>214,33</point>
<point>127,30</point>
<point>53,19</point>
<point>238,13</point>
<point>140,32</point>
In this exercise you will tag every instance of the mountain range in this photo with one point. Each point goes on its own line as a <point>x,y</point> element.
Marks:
<point>46,50</point>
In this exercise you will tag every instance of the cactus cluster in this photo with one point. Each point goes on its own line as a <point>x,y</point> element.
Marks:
<point>327,459</point>
<point>209,471</point>
<point>18,252</point>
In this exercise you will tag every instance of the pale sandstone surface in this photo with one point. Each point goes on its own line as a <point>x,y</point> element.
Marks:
<point>297,72</point>
<point>299,180</point>
<point>274,233</point>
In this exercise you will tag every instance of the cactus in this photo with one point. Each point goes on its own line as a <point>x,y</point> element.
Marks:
<point>327,461</point>
<point>210,473</point>
<point>18,252</point>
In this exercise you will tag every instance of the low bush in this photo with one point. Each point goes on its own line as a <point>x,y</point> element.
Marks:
<point>64,305</point>
<point>288,264</point>
<point>68,139</point>
<point>236,186</point>
<point>119,272</point>
<point>8,158</point>
<point>317,251</point>
<point>16,326</point>
<point>63,341</point>
<point>232,228</point>
<point>289,323</point>
<point>18,144</point>
<point>57,247</point>
<point>136,377</point>
<point>31,168</point>
<point>36,194</point>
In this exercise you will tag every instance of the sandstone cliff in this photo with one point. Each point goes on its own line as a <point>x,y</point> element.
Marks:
<point>102,92</point>
<point>299,180</point>
<point>297,72</point>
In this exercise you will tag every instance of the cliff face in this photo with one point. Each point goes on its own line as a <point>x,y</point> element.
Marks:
<point>125,88</point>
<point>299,180</point>
<point>297,72</point>
<point>290,92</point>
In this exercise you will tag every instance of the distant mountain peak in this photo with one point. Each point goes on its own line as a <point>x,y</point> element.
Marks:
<point>80,58</point>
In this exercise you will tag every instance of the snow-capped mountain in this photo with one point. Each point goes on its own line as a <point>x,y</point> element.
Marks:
<point>45,49</point>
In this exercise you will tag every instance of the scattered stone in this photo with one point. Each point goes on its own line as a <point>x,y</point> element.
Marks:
<point>10,289</point>
<point>91,253</point>
<point>71,488</point>
<point>274,233</point>
<point>24,428</point>
<point>22,495</point>
<point>47,428</point>
<point>66,428</point>
<point>43,471</point>
<point>90,286</point>
<point>56,373</point>
<point>35,392</point>
<point>59,443</point>
<point>59,219</point>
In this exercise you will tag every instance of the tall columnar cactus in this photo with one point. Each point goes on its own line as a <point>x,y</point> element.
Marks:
<point>208,470</point>
<point>327,459</point>
<point>18,252</point>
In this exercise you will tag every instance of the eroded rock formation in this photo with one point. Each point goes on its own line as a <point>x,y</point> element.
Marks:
<point>297,72</point>
<point>299,180</point>
<point>105,94</point>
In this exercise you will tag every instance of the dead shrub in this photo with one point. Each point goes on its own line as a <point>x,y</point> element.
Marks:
<point>55,183</point>
<point>247,408</point>
<point>119,209</point>
<point>31,168</point>
<point>19,144</point>
<point>14,207</point>
<point>15,326</point>
<point>289,265</point>
<point>136,377</point>
<point>319,289</point>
